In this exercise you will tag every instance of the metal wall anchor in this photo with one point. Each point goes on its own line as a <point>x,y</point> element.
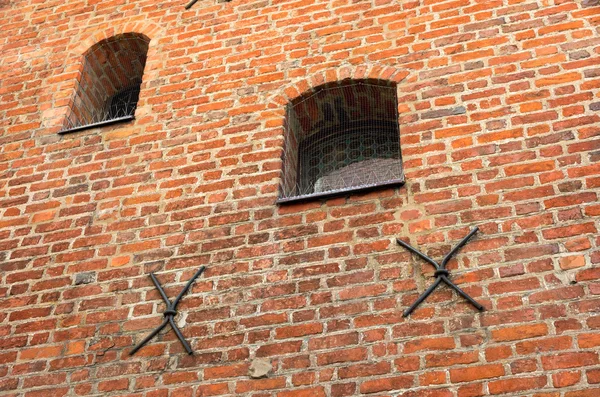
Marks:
<point>191,3</point>
<point>169,314</point>
<point>441,274</point>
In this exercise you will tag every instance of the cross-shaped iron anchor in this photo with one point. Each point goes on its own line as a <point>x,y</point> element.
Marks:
<point>441,274</point>
<point>170,314</point>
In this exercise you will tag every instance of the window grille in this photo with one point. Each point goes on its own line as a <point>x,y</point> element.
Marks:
<point>109,86</point>
<point>124,102</point>
<point>339,138</point>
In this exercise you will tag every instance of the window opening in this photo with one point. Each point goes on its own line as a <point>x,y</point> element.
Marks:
<point>339,138</point>
<point>109,87</point>
<point>124,102</point>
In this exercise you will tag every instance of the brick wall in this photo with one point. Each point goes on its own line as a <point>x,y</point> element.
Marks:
<point>498,103</point>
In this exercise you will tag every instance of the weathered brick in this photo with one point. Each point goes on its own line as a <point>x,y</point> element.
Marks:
<point>517,385</point>
<point>386,384</point>
<point>476,373</point>
<point>520,332</point>
<point>569,360</point>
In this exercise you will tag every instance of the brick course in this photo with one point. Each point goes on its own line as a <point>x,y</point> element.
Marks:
<point>499,128</point>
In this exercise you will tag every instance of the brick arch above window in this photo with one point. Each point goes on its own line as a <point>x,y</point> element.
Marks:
<point>96,35</point>
<point>289,92</point>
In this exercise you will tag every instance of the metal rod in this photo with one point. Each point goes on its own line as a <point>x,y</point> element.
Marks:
<point>159,288</point>
<point>147,338</point>
<point>191,3</point>
<point>422,297</point>
<point>462,293</point>
<point>458,246</point>
<point>98,124</point>
<point>186,345</point>
<point>187,286</point>
<point>418,253</point>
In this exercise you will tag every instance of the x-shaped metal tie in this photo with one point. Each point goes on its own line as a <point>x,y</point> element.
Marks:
<point>441,273</point>
<point>170,313</point>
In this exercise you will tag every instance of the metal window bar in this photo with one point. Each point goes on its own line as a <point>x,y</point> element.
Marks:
<point>341,138</point>
<point>109,86</point>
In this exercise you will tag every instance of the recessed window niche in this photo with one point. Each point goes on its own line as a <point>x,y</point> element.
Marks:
<point>339,138</point>
<point>109,85</point>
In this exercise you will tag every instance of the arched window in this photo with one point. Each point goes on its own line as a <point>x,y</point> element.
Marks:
<point>109,86</point>
<point>339,138</point>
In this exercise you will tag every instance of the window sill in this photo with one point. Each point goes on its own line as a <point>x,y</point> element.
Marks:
<point>98,124</point>
<point>340,192</point>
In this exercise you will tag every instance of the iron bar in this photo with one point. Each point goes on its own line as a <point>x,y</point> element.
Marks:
<point>170,313</point>
<point>186,345</point>
<point>441,273</point>
<point>190,4</point>
<point>188,285</point>
<point>458,246</point>
<point>160,290</point>
<point>462,293</point>
<point>418,253</point>
<point>98,124</point>
<point>147,338</point>
<point>422,297</point>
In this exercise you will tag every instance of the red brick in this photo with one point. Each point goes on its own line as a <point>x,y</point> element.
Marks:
<point>229,371</point>
<point>364,370</point>
<point>300,330</point>
<point>214,389</point>
<point>442,343</point>
<point>312,392</point>
<point>520,332</point>
<point>340,356</point>
<point>588,392</point>
<point>278,348</point>
<point>333,341</point>
<point>569,360</point>
<point>343,389</point>
<point>588,341</point>
<point>565,379</point>
<point>244,386</point>
<point>386,384</point>
<point>517,385</point>
<point>544,345</point>
<point>476,373</point>
<point>450,359</point>
<point>112,385</point>
<point>529,168</point>
<point>593,376</point>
